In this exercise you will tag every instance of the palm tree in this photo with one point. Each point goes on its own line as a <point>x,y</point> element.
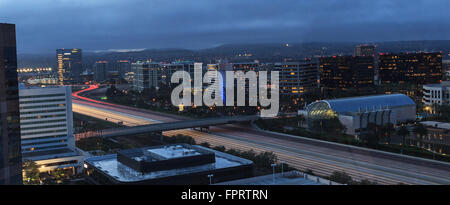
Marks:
<point>31,170</point>
<point>372,134</point>
<point>420,130</point>
<point>387,128</point>
<point>403,132</point>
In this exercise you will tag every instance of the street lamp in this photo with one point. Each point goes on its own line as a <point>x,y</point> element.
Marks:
<point>210,178</point>
<point>429,109</point>
<point>273,175</point>
<point>282,167</point>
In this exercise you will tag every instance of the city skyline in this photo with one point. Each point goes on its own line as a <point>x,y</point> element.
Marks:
<point>200,92</point>
<point>106,25</point>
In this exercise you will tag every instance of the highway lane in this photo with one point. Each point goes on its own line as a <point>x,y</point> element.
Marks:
<point>297,160</point>
<point>112,116</point>
<point>340,155</point>
<point>351,164</point>
<point>132,111</point>
<point>302,156</point>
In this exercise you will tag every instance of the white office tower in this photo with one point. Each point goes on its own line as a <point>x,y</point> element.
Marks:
<point>436,93</point>
<point>46,125</point>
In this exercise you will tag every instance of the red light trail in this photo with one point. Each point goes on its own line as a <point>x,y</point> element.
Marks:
<point>91,87</point>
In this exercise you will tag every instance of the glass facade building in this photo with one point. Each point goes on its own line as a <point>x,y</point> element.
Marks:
<point>341,73</point>
<point>416,68</point>
<point>100,71</point>
<point>146,75</point>
<point>123,66</point>
<point>10,143</point>
<point>297,78</point>
<point>365,50</point>
<point>69,64</point>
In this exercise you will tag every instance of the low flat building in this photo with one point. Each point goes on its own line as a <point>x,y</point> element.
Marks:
<point>42,81</point>
<point>356,112</point>
<point>437,140</point>
<point>176,164</point>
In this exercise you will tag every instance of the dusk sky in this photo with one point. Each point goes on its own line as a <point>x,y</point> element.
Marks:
<point>44,25</point>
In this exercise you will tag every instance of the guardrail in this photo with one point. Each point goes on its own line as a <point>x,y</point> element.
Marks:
<point>311,177</point>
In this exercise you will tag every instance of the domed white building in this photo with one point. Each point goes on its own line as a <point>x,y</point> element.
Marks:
<point>356,112</point>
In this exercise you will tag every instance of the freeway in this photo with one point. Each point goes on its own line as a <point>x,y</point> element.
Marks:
<point>160,127</point>
<point>301,153</point>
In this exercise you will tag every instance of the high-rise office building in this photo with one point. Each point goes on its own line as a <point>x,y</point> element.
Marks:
<point>369,50</point>
<point>415,68</point>
<point>146,75</point>
<point>446,69</point>
<point>124,66</point>
<point>10,155</point>
<point>297,78</point>
<point>69,64</point>
<point>100,71</point>
<point>46,125</point>
<point>365,50</point>
<point>247,66</point>
<point>340,73</point>
<point>169,69</point>
<point>215,74</point>
<point>244,67</point>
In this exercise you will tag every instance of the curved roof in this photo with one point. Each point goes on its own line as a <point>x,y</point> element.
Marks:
<point>354,104</point>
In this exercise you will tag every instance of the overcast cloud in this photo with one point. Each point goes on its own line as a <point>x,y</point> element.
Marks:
<point>44,25</point>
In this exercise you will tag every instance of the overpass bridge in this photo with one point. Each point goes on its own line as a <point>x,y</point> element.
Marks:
<point>160,127</point>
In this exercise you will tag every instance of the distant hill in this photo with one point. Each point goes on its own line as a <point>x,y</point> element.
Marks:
<point>412,46</point>
<point>265,52</point>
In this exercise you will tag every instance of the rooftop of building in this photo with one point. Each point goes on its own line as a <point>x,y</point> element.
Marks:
<point>411,53</point>
<point>287,178</point>
<point>22,86</point>
<point>145,62</point>
<point>307,61</point>
<point>345,57</point>
<point>433,85</point>
<point>441,125</point>
<point>357,104</point>
<point>109,164</point>
<point>438,85</point>
<point>249,62</point>
<point>160,153</point>
<point>182,62</point>
<point>51,154</point>
<point>173,151</point>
